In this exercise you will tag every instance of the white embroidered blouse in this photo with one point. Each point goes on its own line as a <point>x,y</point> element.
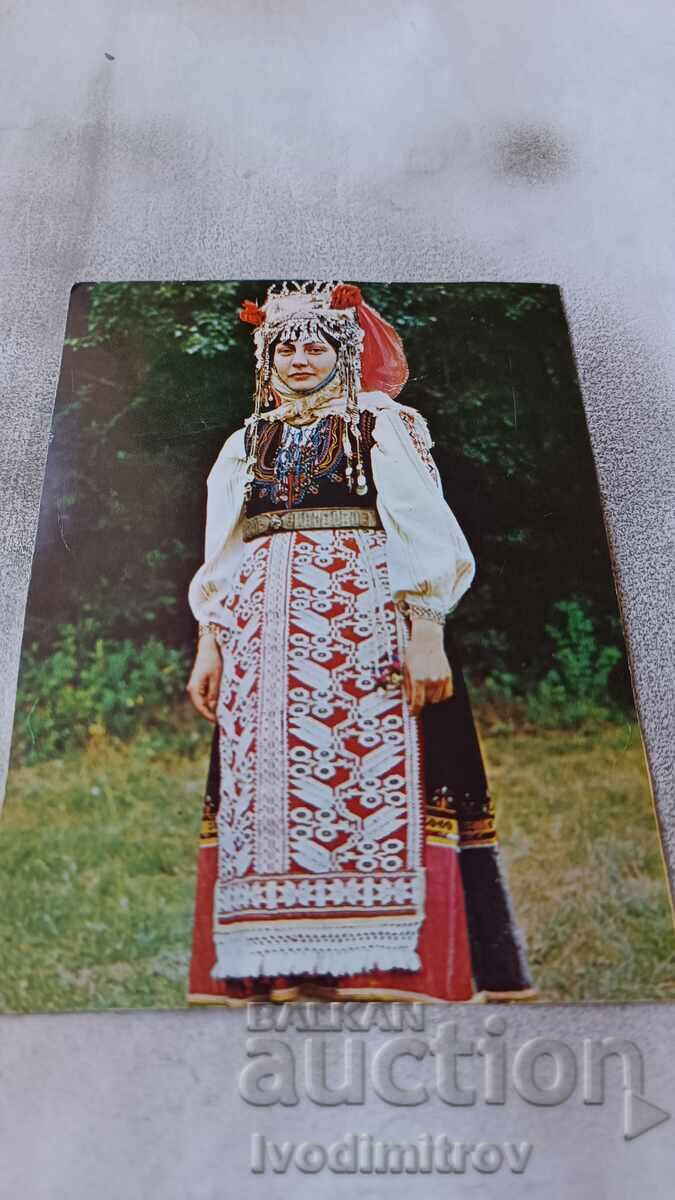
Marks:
<point>428,555</point>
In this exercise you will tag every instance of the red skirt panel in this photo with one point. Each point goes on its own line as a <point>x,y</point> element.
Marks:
<point>443,947</point>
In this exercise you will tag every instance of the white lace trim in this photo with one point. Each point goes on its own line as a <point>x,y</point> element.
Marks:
<point>370,892</point>
<point>318,947</point>
<point>271,810</point>
<point>413,757</point>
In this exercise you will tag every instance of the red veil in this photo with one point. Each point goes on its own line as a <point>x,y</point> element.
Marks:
<point>383,363</point>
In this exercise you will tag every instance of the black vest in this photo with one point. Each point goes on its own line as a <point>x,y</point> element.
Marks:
<point>304,466</point>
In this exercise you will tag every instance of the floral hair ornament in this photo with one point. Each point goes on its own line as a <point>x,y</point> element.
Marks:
<point>251,313</point>
<point>346,295</point>
<point>370,353</point>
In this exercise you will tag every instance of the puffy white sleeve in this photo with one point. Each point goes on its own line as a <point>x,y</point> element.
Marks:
<point>223,544</point>
<point>428,556</point>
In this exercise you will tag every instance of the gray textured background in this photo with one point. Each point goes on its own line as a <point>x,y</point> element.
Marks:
<point>446,140</point>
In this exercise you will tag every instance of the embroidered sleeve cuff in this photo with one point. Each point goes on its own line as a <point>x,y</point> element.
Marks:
<point>416,607</point>
<point>206,627</point>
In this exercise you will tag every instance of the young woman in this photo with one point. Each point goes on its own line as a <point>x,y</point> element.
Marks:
<point>348,845</point>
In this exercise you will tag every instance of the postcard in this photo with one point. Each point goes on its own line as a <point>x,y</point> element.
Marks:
<point>324,694</point>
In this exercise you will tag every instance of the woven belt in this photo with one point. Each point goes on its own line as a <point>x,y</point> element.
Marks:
<point>309,518</point>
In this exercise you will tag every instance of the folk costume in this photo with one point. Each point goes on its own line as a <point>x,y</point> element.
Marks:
<point>348,848</point>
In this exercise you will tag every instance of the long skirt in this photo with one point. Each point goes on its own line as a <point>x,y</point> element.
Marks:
<point>330,862</point>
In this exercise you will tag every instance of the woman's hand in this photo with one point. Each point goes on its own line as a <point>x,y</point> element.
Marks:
<point>204,682</point>
<point>427,677</point>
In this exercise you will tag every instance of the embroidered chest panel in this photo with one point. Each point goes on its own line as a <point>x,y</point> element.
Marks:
<point>409,422</point>
<point>304,466</point>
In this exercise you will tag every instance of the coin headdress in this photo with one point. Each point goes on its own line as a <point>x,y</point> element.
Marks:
<point>370,355</point>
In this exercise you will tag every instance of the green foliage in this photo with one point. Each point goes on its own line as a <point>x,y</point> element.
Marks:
<point>91,687</point>
<point>157,375</point>
<point>569,695</point>
<point>501,685</point>
<point>583,666</point>
<point>201,317</point>
<point>576,690</point>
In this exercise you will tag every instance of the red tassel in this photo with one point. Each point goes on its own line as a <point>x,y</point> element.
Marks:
<point>251,313</point>
<point>346,295</point>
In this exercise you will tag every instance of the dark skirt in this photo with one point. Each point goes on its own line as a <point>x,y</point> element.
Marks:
<point>456,779</point>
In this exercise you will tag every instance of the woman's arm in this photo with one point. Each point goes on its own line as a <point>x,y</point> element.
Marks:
<point>204,682</point>
<point>430,563</point>
<point>427,676</point>
<point>223,548</point>
<point>223,543</point>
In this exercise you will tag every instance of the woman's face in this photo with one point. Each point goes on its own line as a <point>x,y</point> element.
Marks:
<point>304,365</point>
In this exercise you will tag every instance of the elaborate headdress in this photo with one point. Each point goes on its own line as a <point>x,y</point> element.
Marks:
<point>370,354</point>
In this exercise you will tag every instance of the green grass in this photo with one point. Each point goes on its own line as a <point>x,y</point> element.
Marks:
<point>98,853</point>
<point>582,852</point>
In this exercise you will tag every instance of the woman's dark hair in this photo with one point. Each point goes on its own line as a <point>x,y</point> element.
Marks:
<point>326,337</point>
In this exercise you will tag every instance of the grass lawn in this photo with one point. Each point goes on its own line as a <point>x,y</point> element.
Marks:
<point>579,834</point>
<point>98,853</point>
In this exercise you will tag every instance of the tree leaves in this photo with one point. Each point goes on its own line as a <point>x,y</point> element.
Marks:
<point>155,376</point>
